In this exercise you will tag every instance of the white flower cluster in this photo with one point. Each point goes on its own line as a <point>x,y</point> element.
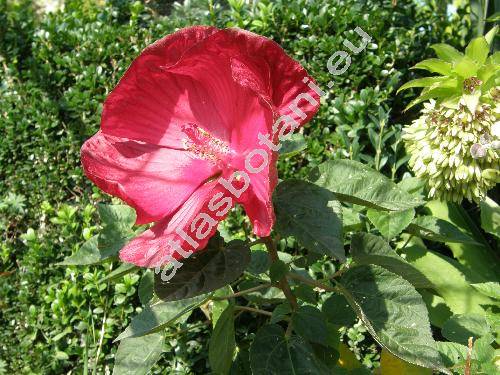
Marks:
<point>456,148</point>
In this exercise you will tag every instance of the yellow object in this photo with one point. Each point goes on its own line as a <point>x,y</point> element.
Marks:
<point>392,365</point>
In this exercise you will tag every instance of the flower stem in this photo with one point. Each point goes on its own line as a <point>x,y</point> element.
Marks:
<point>283,282</point>
<point>243,292</point>
<point>251,309</point>
<point>311,282</point>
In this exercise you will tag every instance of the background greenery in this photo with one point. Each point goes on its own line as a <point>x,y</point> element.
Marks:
<point>55,71</point>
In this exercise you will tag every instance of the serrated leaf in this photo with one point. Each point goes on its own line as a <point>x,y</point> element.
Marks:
<point>136,356</point>
<point>88,253</point>
<point>157,316</point>
<point>370,249</point>
<point>392,223</point>
<point>354,182</point>
<point>460,327</point>
<point>446,52</point>
<point>293,146</point>
<point>434,229</point>
<point>205,271</point>
<point>490,289</point>
<point>272,353</point>
<point>222,343</point>
<point>393,312</point>
<point>310,323</point>
<point>490,216</point>
<point>311,215</point>
<point>434,66</point>
<point>478,49</point>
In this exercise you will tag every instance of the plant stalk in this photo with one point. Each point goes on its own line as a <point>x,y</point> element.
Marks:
<point>283,282</point>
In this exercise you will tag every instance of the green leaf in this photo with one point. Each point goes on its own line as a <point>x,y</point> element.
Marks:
<point>439,312</point>
<point>393,312</point>
<point>136,356</point>
<point>356,183</point>
<point>490,216</point>
<point>434,229</point>
<point>494,18</point>
<point>338,311</point>
<point>280,312</point>
<point>490,35</point>
<point>218,306</point>
<point>293,146</point>
<point>117,222</point>
<point>490,289</point>
<point>478,49</point>
<point>311,215</point>
<point>452,353</point>
<point>351,219</point>
<point>271,295</point>
<point>392,223</point>
<point>241,364</point>
<point>471,257</point>
<point>434,66</point>
<point>310,323</point>
<point>222,343</point>
<point>145,289</point>
<point>370,249</point>
<point>413,185</point>
<point>435,93</point>
<point>259,262</point>
<point>460,327</point>
<point>157,316</point>
<point>422,82</point>
<point>446,52</point>
<point>205,271</point>
<point>272,353</point>
<point>88,253</point>
<point>278,270</point>
<point>122,270</point>
<point>448,279</point>
<point>466,67</point>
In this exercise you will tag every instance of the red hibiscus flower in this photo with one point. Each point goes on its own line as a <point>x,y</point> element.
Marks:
<point>188,132</point>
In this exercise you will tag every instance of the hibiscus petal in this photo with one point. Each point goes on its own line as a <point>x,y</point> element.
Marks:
<point>257,200</point>
<point>154,247</point>
<point>152,179</point>
<point>285,75</point>
<point>261,65</point>
<point>152,105</point>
